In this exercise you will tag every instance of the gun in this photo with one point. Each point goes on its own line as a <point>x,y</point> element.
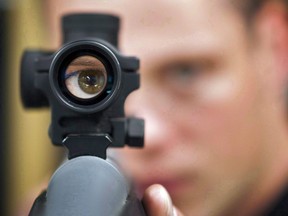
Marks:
<point>85,83</point>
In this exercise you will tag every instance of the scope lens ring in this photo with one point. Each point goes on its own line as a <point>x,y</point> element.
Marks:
<point>85,76</point>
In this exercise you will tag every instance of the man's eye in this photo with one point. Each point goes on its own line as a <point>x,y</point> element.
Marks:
<point>183,74</point>
<point>86,84</point>
<point>187,78</point>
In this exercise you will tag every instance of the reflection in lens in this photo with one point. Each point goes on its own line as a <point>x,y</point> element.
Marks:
<point>86,77</point>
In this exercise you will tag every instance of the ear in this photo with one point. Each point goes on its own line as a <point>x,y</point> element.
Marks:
<point>272,27</point>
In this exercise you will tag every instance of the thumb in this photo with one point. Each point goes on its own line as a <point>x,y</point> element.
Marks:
<point>157,202</point>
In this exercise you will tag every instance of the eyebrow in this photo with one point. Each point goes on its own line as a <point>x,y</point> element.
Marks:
<point>84,62</point>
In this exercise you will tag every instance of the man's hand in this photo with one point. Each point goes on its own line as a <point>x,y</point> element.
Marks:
<point>157,202</point>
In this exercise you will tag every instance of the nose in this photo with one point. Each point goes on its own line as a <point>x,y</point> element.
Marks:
<point>157,130</point>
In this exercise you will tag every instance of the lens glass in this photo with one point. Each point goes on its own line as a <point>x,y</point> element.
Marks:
<point>86,77</point>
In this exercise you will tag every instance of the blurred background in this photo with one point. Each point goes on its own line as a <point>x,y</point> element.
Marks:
<point>27,158</point>
<point>3,137</point>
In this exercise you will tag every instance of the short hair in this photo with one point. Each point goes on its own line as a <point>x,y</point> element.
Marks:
<point>250,7</point>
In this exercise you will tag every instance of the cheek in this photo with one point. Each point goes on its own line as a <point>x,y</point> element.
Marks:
<point>224,119</point>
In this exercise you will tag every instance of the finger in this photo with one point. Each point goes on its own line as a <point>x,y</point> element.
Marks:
<point>176,212</point>
<point>157,201</point>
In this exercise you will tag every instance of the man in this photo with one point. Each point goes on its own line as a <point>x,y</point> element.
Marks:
<point>213,96</point>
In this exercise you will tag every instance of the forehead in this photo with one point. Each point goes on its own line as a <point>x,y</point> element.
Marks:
<point>163,23</point>
<point>155,25</point>
<point>147,14</point>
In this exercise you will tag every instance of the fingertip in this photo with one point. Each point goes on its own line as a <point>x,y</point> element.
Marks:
<point>157,201</point>
<point>176,212</point>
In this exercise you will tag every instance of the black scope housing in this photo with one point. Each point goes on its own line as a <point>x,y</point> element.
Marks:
<point>77,26</point>
<point>85,83</point>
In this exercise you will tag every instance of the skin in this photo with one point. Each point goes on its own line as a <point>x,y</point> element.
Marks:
<point>213,99</point>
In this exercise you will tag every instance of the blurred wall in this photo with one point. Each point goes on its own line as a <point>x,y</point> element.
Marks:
<point>3,138</point>
<point>32,158</point>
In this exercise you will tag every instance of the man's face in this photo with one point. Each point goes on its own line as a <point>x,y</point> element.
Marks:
<point>206,98</point>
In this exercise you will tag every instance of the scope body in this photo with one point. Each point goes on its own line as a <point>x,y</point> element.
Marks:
<point>85,84</point>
